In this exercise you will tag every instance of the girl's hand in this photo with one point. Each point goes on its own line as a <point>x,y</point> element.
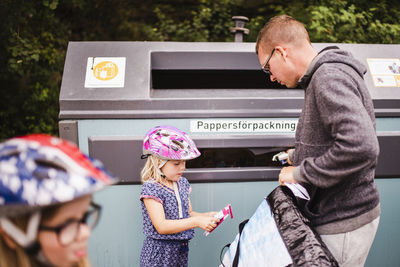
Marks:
<point>211,213</point>
<point>207,223</point>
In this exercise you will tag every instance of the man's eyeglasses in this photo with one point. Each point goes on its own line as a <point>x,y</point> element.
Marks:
<point>265,67</point>
<point>68,231</point>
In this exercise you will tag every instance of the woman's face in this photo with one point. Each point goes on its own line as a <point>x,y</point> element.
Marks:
<point>173,169</point>
<point>53,250</point>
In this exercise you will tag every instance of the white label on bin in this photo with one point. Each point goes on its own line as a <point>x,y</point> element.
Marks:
<point>103,72</point>
<point>385,72</point>
<point>243,126</point>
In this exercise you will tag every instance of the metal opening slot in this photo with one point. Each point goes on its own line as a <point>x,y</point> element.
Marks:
<point>235,157</point>
<point>208,70</point>
<point>224,158</point>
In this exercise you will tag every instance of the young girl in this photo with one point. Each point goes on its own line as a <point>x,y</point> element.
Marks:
<point>46,211</point>
<point>168,219</point>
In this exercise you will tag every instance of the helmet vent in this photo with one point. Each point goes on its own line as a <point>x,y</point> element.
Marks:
<point>44,166</point>
<point>10,153</point>
<point>178,144</point>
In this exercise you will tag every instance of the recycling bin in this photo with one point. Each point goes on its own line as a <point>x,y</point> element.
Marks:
<point>113,92</point>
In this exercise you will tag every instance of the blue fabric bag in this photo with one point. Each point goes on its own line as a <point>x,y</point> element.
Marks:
<point>277,235</point>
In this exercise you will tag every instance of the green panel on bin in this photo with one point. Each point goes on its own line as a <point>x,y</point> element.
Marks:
<point>118,238</point>
<point>385,249</point>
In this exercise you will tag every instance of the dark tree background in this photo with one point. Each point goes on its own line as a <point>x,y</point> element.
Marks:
<point>34,37</point>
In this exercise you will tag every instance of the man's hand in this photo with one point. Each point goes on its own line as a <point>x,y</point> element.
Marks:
<point>286,175</point>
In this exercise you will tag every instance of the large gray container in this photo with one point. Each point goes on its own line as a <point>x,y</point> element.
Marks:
<point>113,92</point>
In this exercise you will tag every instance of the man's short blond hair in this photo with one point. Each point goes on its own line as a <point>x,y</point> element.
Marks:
<point>281,30</point>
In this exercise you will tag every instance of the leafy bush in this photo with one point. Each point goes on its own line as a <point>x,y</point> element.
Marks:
<point>34,37</point>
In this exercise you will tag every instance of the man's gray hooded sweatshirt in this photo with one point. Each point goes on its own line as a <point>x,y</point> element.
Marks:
<point>336,144</point>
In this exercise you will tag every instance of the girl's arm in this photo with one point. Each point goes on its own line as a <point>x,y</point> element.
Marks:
<point>165,227</point>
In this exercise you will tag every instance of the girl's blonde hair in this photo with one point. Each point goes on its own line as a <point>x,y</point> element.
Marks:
<point>17,257</point>
<point>151,169</point>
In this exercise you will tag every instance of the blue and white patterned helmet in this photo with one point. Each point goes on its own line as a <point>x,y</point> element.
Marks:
<point>40,170</point>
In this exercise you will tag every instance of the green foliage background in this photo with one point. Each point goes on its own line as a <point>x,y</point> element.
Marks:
<point>34,36</point>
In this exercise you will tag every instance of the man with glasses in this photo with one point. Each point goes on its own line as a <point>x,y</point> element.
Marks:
<point>336,146</point>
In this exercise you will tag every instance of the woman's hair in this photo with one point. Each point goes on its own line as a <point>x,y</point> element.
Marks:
<point>280,30</point>
<point>151,169</point>
<point>15,257</point>
<point>10,257</point>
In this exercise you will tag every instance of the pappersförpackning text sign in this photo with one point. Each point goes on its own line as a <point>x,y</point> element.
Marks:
<point>244,126</point>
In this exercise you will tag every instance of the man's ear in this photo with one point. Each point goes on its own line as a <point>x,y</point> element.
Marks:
<point>282,51</point>
<point>7,239</point>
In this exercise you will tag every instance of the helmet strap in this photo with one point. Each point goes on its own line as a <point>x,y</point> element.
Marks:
<point>28,241</point>
<point>163,162</point>
<point>25,240</point>
<point>178,199</point>
<point>176,191</point>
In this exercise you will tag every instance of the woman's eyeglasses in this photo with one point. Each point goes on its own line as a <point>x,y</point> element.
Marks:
<point>265,67</point>
<point>68,231</point>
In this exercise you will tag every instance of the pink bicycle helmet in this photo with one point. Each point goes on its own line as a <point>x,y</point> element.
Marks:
<point>169,143</point>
